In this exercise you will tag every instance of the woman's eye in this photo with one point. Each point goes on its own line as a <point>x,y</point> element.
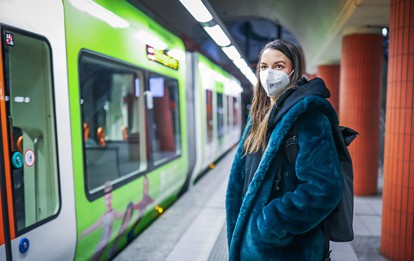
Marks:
<point>263,67</point>
<point>279,67</point>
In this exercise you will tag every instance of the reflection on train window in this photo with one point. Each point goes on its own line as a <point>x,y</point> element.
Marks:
<point>228,112</point>
<point>209,111</point>
<point>220,116</point>
<point>113,127</point>
<point>165,119</point>
<point>236,109</point>
<point>29,98</point>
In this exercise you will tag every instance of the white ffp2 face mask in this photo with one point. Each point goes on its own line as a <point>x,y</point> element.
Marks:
<point>274,81</point>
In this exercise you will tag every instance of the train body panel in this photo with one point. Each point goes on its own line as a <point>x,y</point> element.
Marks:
<point>217,108</point>
<point>107,121</point>
<point>40,193</point>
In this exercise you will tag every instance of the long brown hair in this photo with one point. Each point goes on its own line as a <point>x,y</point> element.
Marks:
<point>261,104</point>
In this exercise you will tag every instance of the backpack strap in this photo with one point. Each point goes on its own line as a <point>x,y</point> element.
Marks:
<point>291,144</point>
<point>291,152</point>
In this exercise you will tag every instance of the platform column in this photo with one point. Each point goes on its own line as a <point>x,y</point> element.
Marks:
<point>330,75</point>
<point>359,102</point>
<point>397,232</point>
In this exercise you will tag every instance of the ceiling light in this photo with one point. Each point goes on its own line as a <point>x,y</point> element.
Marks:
<point>198,10</point>
<point>231,52</point>
<point>384,32</point>
<point>240,63</point>
<point>252,79</point>
<point>218,35</point>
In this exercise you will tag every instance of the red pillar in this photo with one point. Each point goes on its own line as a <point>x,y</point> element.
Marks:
<point>359,104</point>
<point>397,232</point>
<point>330,75</point>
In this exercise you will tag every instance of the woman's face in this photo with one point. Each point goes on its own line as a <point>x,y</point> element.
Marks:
<point>275,59</point>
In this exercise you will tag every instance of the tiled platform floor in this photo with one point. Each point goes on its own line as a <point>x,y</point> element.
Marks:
<point>194,227</point>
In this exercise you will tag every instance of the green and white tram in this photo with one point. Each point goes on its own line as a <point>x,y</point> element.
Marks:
<point>96,130</point>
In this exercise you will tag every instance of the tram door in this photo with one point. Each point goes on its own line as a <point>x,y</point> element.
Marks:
<point>31,203</point>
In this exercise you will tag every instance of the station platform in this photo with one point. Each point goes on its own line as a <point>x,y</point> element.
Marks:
<point>194,227</point>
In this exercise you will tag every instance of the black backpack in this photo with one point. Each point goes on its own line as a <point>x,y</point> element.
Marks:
<point>338,225</point>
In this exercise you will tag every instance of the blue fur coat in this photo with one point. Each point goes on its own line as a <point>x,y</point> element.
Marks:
<point>287,227</point>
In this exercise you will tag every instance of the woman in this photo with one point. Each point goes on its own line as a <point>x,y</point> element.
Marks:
<point>274,208</point>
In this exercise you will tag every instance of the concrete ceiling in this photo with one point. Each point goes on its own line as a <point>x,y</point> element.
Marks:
<point>317,26</point>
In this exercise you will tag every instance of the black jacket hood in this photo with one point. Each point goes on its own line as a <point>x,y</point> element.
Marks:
<point>292,96</point>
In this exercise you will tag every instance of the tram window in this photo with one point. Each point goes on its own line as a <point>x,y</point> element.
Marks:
<point>113,121</point>
<point>220,116</point>
<point>228,112</point>
<point>209,115</point>
<point>165,119</point>
<point>29,98</point>
<point>236,110</point>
